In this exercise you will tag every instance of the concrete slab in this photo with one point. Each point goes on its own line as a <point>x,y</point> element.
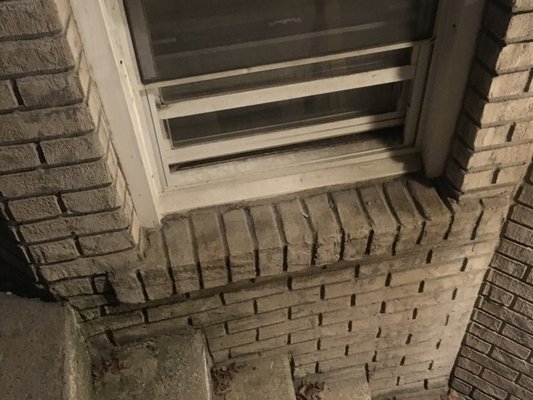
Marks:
<point>167,367</point>
<point>41,355</point>
<point>347,384</point>
<point>264,379</point>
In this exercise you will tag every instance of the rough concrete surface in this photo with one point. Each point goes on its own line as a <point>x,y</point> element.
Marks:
<point>169,367</point>
<point>264,379</point>
<point>348,384</point>
<point>40,356</point>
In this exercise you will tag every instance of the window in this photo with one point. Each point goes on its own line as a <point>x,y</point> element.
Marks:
<point>241,78</point>
<point>231,100</point>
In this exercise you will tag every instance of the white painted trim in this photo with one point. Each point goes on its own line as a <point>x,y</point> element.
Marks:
<point>264,140</point>
<point>288,64</point>
<point>457,30</point>
<point>350,171</point>
<point>285,92</point>
<point>125,114</point>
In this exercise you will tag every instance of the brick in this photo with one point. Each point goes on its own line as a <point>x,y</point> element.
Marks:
<point>106,243</point>
<point>498,156</point>
<point>34,208</point>
<point>358,286</point>
<point>240,244</point>
<point>72,287</point>
<point>140,332</point>
<point>477,343</point>
<point>259,320</point>
<point>319,332</point>
<point>102,222</point>
<point>512,285</point>
<point>286,327</point>
<point>317,307</point>
<point>507,315</point>
<point>298,234</point>
<point>469,365</point>
<point>101,284</point>
<point>184,309</point>
<point>460,386</point>
<point>57,122</point>
<point>518,336</point>
<point>211,252</point>
<point>494,86</point>
<point>506,385</point>
<point>510,57</point>
<point>77,268</point>
<point>179,240</point>
<point>96,200</point>
<point>77,149</point>
<point>500,341</point>
<point>486,320</point>
<point>287,299</point>
<point>500,112</point>
<point>479,138</point>
<point>384,226</point>
<point>55,90</point>
<point>269,241</point>
<point>478,382</point>
<point>404,209</point>
<point>329,236</point>
<point>498,295</point>
<point>20,157</point>
<point>508,266</point>
<point>225,342</point>
<point>156,281</point>
<point>330,354</point>
<point>8,100</point>
<point>354,224</point>
<point>524,307</point>
<point>516,251</point>
<point>88,301</point>
<point>511,28</point>
<point>520,234</point>
<point>511,361</point>
<point>47,253</point>
<point>126,285</point>
<point>522,215</point>
<point>259,347</point>
<point>322,278</point>
<point>223,314</point>
<point>431,206</point>
<point>53,180</point>
<point>494,211</point>
<point>526,382</point>
<point>28,18</point>
<point>256,291</point>
<point>44,55</point>
<point>44,231</point>
<point>488,362</point>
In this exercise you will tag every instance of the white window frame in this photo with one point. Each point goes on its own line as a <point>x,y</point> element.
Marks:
<point>139,137</point>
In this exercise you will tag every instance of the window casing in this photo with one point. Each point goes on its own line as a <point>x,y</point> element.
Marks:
<point>228,166</point>
<point>230,81</point>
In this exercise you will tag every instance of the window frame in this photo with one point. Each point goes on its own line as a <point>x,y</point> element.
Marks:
<point>148,175</point>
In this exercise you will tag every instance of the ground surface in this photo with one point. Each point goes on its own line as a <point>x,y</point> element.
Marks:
<point>166,368</point>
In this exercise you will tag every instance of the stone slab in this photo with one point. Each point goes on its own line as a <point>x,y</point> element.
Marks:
<point>167,367</point>
<point>41,356</point>
<point>264,379</point>
<point>347,384</point>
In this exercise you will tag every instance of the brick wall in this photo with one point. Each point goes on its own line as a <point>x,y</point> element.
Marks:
<point>492,148</point>
<point>496,358</point>
<point>63,195</point>
<point>382,275</point>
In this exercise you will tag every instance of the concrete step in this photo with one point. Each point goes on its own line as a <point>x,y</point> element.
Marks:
<point>41,354</point>
<point>346,384</point>
<point>263,379</point>
<point>167,367</point>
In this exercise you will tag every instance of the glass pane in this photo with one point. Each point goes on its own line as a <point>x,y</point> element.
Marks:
<point>188,38</point>
<point>301,73</point>
<point>284,114</point>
